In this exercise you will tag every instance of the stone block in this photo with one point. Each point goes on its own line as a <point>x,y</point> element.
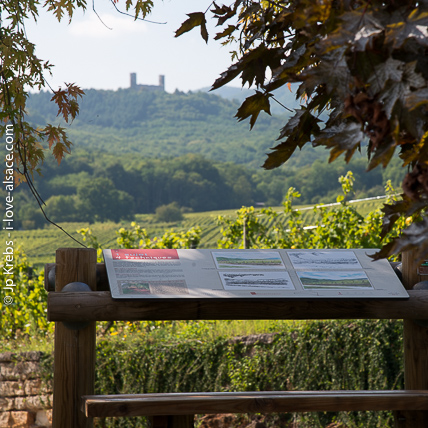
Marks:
<point>27,369</point>
<point>11,389</point>
<point>21,370</point>
<point>6,356</point>
<point>7,372</point>
<point>33,403</point>
<point>33,387</point>
<point>20,356</point>
<point>4,419</point>
<point>32,355</point>
<point>7,403</point>
<point>22,419</point>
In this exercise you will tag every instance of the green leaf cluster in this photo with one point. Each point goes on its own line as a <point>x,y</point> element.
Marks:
<point>137,237</point>
<point>316,355</point>
<point>334,227</point>
<point>27,315</point>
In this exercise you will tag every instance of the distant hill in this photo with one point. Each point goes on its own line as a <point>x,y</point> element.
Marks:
<point>159,124</point>
<point>145,150</point>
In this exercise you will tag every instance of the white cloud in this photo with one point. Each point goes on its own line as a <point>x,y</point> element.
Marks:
<point>106,25</point>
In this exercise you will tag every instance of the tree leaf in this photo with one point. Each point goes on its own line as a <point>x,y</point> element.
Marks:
<point>343,138</point>
<point>143,8</point>
<point>195,19</point>
<point>222,13</point>
<point>66,99</point>
<point>358,30</point>
<point>57,140</point>
<point>59,150</point>
<point>253,66</point>
<point>292,124</point>
<point>299,130</point>
<point>417,98</point>
<point>290,66</point>
<point>281,153</point>
<point>391,69</point>
<point>383,154</point>
<point>415,26</point>
<point>229,30</point>
<point>412,238</point>
<point>394,91</point>
<point>231,73</point>
<point>252,106</point>
<point>362,25</point>
<point>333,72</point>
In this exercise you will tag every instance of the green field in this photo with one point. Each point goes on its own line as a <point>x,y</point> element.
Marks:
<point>40,244</point>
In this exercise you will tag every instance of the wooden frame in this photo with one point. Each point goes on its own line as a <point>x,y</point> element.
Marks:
<point>75,348</point>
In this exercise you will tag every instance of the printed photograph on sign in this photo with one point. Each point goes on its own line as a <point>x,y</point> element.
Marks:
<point>328,260</point>
<point>247,260</point>
<point>173,287</point>
<point>134,287</point>
<point>334,280</point>
<point>256,280</point>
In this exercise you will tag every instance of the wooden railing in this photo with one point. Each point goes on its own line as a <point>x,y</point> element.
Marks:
<point>76,313</point>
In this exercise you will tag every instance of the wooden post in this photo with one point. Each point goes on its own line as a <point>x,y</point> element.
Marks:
<point>74,359</point>
<point>176,421</point>
<point>244,234</point>
<point>415,351</point>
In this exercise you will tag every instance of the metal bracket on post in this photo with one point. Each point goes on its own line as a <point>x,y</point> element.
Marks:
<point>51,279</point>
<point>76,287</point>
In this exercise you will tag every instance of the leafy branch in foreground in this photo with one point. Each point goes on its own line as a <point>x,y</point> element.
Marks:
<point>137,237</point>
<point>333,227</point>
<point>363,63</point>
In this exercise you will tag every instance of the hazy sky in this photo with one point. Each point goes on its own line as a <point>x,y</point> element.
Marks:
<point>93,56</point>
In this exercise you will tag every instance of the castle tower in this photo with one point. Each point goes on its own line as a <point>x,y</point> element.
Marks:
<point>162,81</point>
<point>133,80</point>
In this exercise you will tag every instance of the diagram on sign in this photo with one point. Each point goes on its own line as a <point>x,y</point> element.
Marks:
<point>335,260</point>
<point>280,273</point>
<point>334,280</point>
<point>248,260</point>
<point>256,280</point>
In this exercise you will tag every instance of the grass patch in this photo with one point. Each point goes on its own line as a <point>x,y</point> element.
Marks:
<point>156,331</point>
<point>23,343</point>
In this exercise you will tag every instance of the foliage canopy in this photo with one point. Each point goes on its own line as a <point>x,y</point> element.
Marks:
<point>364,62</point>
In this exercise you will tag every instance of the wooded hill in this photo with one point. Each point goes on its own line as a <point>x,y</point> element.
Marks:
<point>145,149</point>
<point>159,124</point>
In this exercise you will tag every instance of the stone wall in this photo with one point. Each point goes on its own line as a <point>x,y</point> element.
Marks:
<point>25,399</point>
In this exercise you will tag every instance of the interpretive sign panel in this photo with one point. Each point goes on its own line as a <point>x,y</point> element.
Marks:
<point>154,273</point>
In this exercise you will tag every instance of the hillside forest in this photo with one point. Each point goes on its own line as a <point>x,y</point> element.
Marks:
<point>145,150</point>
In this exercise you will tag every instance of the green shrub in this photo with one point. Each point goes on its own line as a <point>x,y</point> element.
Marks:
<point>315,355</point>
<point>169,213</point>
<point>26,314</point>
